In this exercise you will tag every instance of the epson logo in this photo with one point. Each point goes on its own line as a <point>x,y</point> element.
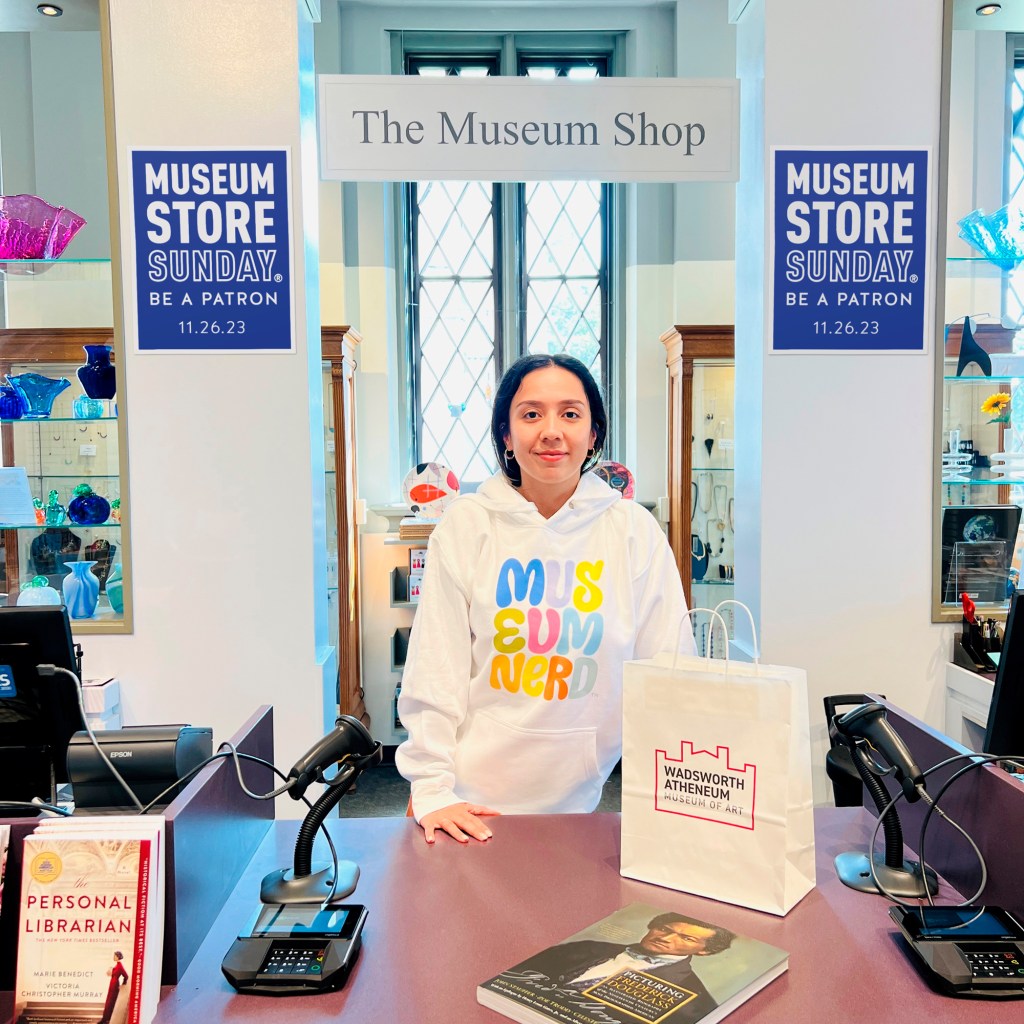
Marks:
<point>120,753</point>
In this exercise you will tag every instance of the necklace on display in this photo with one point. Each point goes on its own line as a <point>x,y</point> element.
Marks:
<point>719,526</point>
<point>720,504</point>
<point>705,491</point>
<point>694,491</point>
<point>732,520</point>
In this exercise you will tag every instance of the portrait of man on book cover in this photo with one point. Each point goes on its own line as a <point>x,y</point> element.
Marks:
<point>665,952</point>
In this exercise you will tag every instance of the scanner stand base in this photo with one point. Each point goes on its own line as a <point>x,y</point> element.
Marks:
<point>908,881</point>
<point>283,887</point>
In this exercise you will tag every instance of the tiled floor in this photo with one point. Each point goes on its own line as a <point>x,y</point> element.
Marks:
<point>382,792</point>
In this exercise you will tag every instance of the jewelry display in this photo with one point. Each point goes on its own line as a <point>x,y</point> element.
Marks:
<point>693,499</point>
<point>720,504</point>
<point>705,491</point>
<point>709,443</point>
<point>725,572</point>
<point>699,557</point>
<point>732,520</point>
<point>717,525</point>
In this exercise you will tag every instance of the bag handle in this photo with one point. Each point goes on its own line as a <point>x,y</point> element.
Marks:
<point>712,614</point>
<point>753,628</point>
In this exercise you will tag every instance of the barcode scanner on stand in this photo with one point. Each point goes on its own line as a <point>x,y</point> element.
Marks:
<point>868,734</point>
<point>302,941</point>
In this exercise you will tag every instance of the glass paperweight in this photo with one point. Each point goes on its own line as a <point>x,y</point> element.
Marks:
<point>115,510</point>
<point>37,392</point>
<point>54,512</point>
<point>87,508</point>
<point>97,375</point>
<point>38,591</point>
<point>86,408</point>
<point>32,229</point>
<point>40,511</point>
<point>11,405</point>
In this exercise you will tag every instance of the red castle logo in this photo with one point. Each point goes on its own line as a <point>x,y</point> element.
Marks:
<point>705,785</point>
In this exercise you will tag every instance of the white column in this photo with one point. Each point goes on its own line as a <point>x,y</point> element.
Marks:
<point>834,453</point>
<point>226,486</point>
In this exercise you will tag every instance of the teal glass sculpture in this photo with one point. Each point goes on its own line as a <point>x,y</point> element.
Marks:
<point>54,512</point>
<point>86,408</point>
<point>115,589</point>
<point>37,392</point>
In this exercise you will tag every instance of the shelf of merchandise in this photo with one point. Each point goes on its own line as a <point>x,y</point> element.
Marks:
<point>53,308</point>
<point>688,350</point>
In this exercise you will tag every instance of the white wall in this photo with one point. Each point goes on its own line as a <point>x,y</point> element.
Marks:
<point>835,453</point>
<point>225,451</point>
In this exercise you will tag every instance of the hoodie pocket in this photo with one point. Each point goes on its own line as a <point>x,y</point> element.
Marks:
<point>527,771</point>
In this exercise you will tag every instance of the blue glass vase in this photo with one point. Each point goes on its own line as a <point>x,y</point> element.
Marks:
<point>37,392</point>
<point>98,375</point>
<point>87,508</point>
<point>11,406</point>
<point>81,590</point>
<point>86,408</point>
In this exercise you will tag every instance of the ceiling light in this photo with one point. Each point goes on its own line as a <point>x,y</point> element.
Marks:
<point>986,9</point>
<point>49,10</point>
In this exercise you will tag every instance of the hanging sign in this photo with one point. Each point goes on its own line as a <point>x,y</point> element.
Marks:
<point>411,128</point>
<point>850,242</point>
<point>212,250</point>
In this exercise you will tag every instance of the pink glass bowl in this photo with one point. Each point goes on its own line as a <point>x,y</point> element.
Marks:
<point>32,229</point>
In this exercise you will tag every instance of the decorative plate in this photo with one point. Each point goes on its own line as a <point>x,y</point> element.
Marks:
<point>430,488</point>
<point>617,476</point>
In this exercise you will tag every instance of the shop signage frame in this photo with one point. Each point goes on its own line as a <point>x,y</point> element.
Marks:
<point>411,128</point>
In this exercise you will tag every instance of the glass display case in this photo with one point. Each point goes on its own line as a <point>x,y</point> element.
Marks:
<point>980,461</point>
<point>701,466</point>
<point>67,438</point>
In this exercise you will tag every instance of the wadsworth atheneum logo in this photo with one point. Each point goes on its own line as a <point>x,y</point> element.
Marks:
<point>705,784</point>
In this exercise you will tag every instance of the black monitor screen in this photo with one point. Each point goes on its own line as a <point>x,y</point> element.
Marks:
<point>1004,734</point>
<point>38,715</point>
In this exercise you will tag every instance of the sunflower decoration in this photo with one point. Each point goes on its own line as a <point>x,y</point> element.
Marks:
<point>998,407</point>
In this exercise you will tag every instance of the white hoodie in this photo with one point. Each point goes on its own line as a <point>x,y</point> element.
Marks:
<point>512,689</point>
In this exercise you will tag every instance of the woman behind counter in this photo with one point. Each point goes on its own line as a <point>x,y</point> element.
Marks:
<point>537,588</point>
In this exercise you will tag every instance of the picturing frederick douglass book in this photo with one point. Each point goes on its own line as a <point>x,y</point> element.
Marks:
<point>638,964</point>
<point>90,936</point>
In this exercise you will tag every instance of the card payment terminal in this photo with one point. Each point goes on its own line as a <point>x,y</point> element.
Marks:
<point>296,949</point>
<point>976,952</point>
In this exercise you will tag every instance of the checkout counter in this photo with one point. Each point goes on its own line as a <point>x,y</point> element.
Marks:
<point>444,918</point>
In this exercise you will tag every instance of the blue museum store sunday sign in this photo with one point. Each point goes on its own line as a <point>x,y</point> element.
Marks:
<point>212,250</point>
<point>850,233</point>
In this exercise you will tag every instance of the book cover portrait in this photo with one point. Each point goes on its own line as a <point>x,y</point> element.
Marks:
<point>80,940</point>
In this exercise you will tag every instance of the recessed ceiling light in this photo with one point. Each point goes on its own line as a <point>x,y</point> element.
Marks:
<point>986,9</point>
<point>49,10</point>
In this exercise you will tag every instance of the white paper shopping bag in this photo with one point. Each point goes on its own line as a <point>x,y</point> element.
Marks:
<point>716,779</point>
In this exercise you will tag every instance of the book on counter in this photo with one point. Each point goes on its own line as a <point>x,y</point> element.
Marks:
<point>640,963</point>
<point>5,838</point>
<point>90,936</point>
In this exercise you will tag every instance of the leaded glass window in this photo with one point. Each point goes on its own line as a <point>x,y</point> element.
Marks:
<point>496,270</point>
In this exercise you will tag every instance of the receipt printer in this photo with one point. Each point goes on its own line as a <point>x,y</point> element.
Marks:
<point>149,757</point>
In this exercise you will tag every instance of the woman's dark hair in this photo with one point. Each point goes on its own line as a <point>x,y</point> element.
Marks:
<point>509,385</point>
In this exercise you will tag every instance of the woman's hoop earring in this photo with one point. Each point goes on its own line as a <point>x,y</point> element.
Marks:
<point>509,456</point>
